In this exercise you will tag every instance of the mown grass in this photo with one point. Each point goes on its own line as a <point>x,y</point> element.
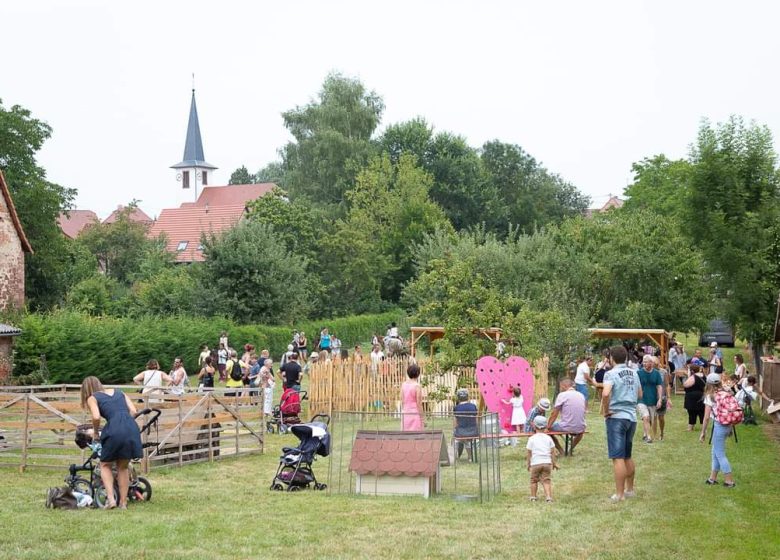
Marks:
<point>225,510</point>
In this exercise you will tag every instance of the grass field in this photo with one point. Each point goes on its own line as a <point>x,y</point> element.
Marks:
<point>225,510</point>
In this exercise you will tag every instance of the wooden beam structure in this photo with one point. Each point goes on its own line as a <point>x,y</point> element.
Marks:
<point>435,333</point>
<point>659,336</point>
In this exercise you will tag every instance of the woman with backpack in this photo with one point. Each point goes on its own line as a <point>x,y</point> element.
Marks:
<point>718,409</point>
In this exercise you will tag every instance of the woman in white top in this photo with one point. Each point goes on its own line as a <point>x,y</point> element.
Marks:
<point>741,369</point>
<point>152,379</point>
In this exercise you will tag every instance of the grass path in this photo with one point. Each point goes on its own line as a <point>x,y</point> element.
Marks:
<point>225,510</point>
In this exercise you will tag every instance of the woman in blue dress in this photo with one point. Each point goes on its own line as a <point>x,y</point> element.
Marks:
<point>120,438</point>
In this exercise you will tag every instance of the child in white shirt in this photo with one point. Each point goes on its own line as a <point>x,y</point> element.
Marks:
<point>541,459</point>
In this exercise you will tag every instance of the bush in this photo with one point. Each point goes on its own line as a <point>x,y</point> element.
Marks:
<point>115,349</point>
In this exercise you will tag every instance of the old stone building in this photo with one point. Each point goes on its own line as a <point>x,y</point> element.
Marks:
<point>13,246</point>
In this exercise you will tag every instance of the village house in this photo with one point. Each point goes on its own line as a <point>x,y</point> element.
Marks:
<point>13,246</point>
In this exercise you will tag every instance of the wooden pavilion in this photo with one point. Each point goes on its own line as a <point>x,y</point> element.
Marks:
<point>435,333</point>
<point>659,336</point>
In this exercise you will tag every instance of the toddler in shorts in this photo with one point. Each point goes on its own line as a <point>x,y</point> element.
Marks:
<point>541,459</point>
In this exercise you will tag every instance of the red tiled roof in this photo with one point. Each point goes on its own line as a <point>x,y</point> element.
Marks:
<point>188,223</point>
<point>137,215</point>
<point>75,221</point>
<point>398,453</point>
<point>233,194</point>
<point>26,247</point>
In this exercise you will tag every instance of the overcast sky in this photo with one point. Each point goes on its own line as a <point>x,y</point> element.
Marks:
<point>587,87</point>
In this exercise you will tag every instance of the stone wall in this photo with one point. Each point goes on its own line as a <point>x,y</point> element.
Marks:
<point>11,261</point>
<point>6,358</point>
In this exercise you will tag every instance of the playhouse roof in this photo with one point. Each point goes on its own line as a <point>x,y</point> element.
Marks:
<point>398,453</point>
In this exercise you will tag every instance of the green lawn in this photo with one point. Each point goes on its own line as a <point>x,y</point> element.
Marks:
<point>225,510</point>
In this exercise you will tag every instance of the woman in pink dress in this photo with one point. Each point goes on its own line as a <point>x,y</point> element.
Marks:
<point>411,401</point>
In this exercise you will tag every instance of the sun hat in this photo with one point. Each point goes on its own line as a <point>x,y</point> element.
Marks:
<point>540,422</point>
<point>713,379</point>
<point>544,403</point>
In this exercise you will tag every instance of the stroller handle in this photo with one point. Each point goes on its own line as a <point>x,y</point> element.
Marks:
<point>155,414</point>
<point>325,416</point>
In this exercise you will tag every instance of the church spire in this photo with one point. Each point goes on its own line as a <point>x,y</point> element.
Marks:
<point>194,168</point>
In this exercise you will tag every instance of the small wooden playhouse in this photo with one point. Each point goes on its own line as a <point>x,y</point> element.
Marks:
<point>398,463</point>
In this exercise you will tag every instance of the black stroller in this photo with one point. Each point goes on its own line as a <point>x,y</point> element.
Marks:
<point>295,472</point>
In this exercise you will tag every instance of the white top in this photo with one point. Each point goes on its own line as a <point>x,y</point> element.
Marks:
<point>741,371</point>
<point>178,388</point>
<point>541,446</point>
<point>202,357</point>
<point>376,356</point>
<point>392,332</point>
<point>518,412</point>
<point>152,380</point>
<point>746,390</point>
<point>582,370</point>
<point>222,356</point>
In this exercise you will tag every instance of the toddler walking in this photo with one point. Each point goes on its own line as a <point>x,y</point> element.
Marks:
<point>541,459</point>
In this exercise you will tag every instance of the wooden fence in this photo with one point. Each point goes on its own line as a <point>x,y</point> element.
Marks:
<point>363,387</point>
<point>37,426</point>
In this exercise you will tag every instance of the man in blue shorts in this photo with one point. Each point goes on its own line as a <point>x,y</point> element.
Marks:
<point>622,391</point>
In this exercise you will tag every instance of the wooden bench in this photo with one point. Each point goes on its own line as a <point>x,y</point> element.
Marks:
<point>567,438</point>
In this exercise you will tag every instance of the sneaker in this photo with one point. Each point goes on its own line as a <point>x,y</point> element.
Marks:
<point>710,482</point>
<point>614,499</point>
<point>648,439</point>
<point>729,484</point>
<point>629,494</point>
<point>549,500</point>
<point>533,498</point>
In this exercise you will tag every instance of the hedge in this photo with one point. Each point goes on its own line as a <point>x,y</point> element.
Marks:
<point>115,349</point>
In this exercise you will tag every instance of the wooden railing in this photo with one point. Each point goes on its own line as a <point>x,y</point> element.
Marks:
<point>37,425</point>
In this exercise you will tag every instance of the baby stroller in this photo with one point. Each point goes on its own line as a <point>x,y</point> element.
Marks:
<point>294,472</point>
<point>287,413</point>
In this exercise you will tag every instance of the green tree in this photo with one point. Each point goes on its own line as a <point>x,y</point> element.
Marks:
<point>660,185</point>
<point>38,203</point>
<point>241,176</point>
<point>173,291</point>
<point>119,247</point>
<point>332,139</point>
<point>255,278</point>
<point>735,205</point>
<point>97,295</point>
<point>533,196</point>
<point>271,173</point>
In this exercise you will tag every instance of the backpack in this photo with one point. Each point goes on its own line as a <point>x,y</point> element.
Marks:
<point>61,498</point>
<point>727,410</point>
<point>235,373</point>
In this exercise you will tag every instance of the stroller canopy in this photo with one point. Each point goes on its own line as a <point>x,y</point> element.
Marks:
<point>313,437</point>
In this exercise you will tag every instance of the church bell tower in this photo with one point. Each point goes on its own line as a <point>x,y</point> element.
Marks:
<point>193,168</point>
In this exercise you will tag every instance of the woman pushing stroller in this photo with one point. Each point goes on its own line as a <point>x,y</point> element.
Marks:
<point>120,438</point>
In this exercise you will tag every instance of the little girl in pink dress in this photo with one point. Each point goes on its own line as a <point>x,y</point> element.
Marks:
<point>411,401</point>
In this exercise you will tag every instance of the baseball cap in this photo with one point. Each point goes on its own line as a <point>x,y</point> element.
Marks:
<point>540,422</point>
<point>697,362</point>
<point>713,344</point>
<point>713,379</point>
<point>544,403</point>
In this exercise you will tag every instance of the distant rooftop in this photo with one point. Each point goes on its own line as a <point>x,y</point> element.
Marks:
<point>233,194</point>
<point>73,222</point>
<point>136,215</point>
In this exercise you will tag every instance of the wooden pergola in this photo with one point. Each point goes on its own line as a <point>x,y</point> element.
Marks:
<point>435,333</point>
<point>659,336</point>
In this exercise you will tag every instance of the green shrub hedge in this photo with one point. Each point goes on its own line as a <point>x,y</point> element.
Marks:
<point>114,349</point>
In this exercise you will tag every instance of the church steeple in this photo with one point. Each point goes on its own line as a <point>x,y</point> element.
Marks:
<point>193,168</point>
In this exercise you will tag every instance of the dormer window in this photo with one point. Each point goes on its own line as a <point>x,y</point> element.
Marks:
<point>200,246</point>
<point>182,245</point>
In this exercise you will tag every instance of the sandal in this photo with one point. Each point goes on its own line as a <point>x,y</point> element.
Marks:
<point>710,482</point>
<point>729,484</point>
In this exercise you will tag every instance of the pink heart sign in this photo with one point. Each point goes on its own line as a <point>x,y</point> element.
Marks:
<point>496,380</point>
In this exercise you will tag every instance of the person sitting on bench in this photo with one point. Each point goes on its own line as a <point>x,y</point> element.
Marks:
<point>570,405</point>
<point>465,424</point>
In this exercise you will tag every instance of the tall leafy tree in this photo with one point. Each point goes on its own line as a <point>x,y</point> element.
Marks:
<point>735,205</point>
<point>661,185</point>
<point>241,176</point>
<point>38,203</point>
<point>332,139</point>
<point>533,196</point>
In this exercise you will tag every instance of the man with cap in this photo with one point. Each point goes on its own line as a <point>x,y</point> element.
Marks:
<point>622,391</point>
<point>465,423</point>
<point>540,409</point>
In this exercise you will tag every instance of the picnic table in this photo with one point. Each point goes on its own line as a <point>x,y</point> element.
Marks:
<point>567,438</point>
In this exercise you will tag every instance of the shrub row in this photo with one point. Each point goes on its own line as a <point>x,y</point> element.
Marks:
<point>115,349</point>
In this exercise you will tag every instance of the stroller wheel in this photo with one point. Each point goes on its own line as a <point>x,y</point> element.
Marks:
<point>277,486</point>
<point>319,486</point>
<point>294,489</point>
<point>269,427</point>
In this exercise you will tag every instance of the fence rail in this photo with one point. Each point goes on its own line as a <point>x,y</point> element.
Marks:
<point>37,426</point>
